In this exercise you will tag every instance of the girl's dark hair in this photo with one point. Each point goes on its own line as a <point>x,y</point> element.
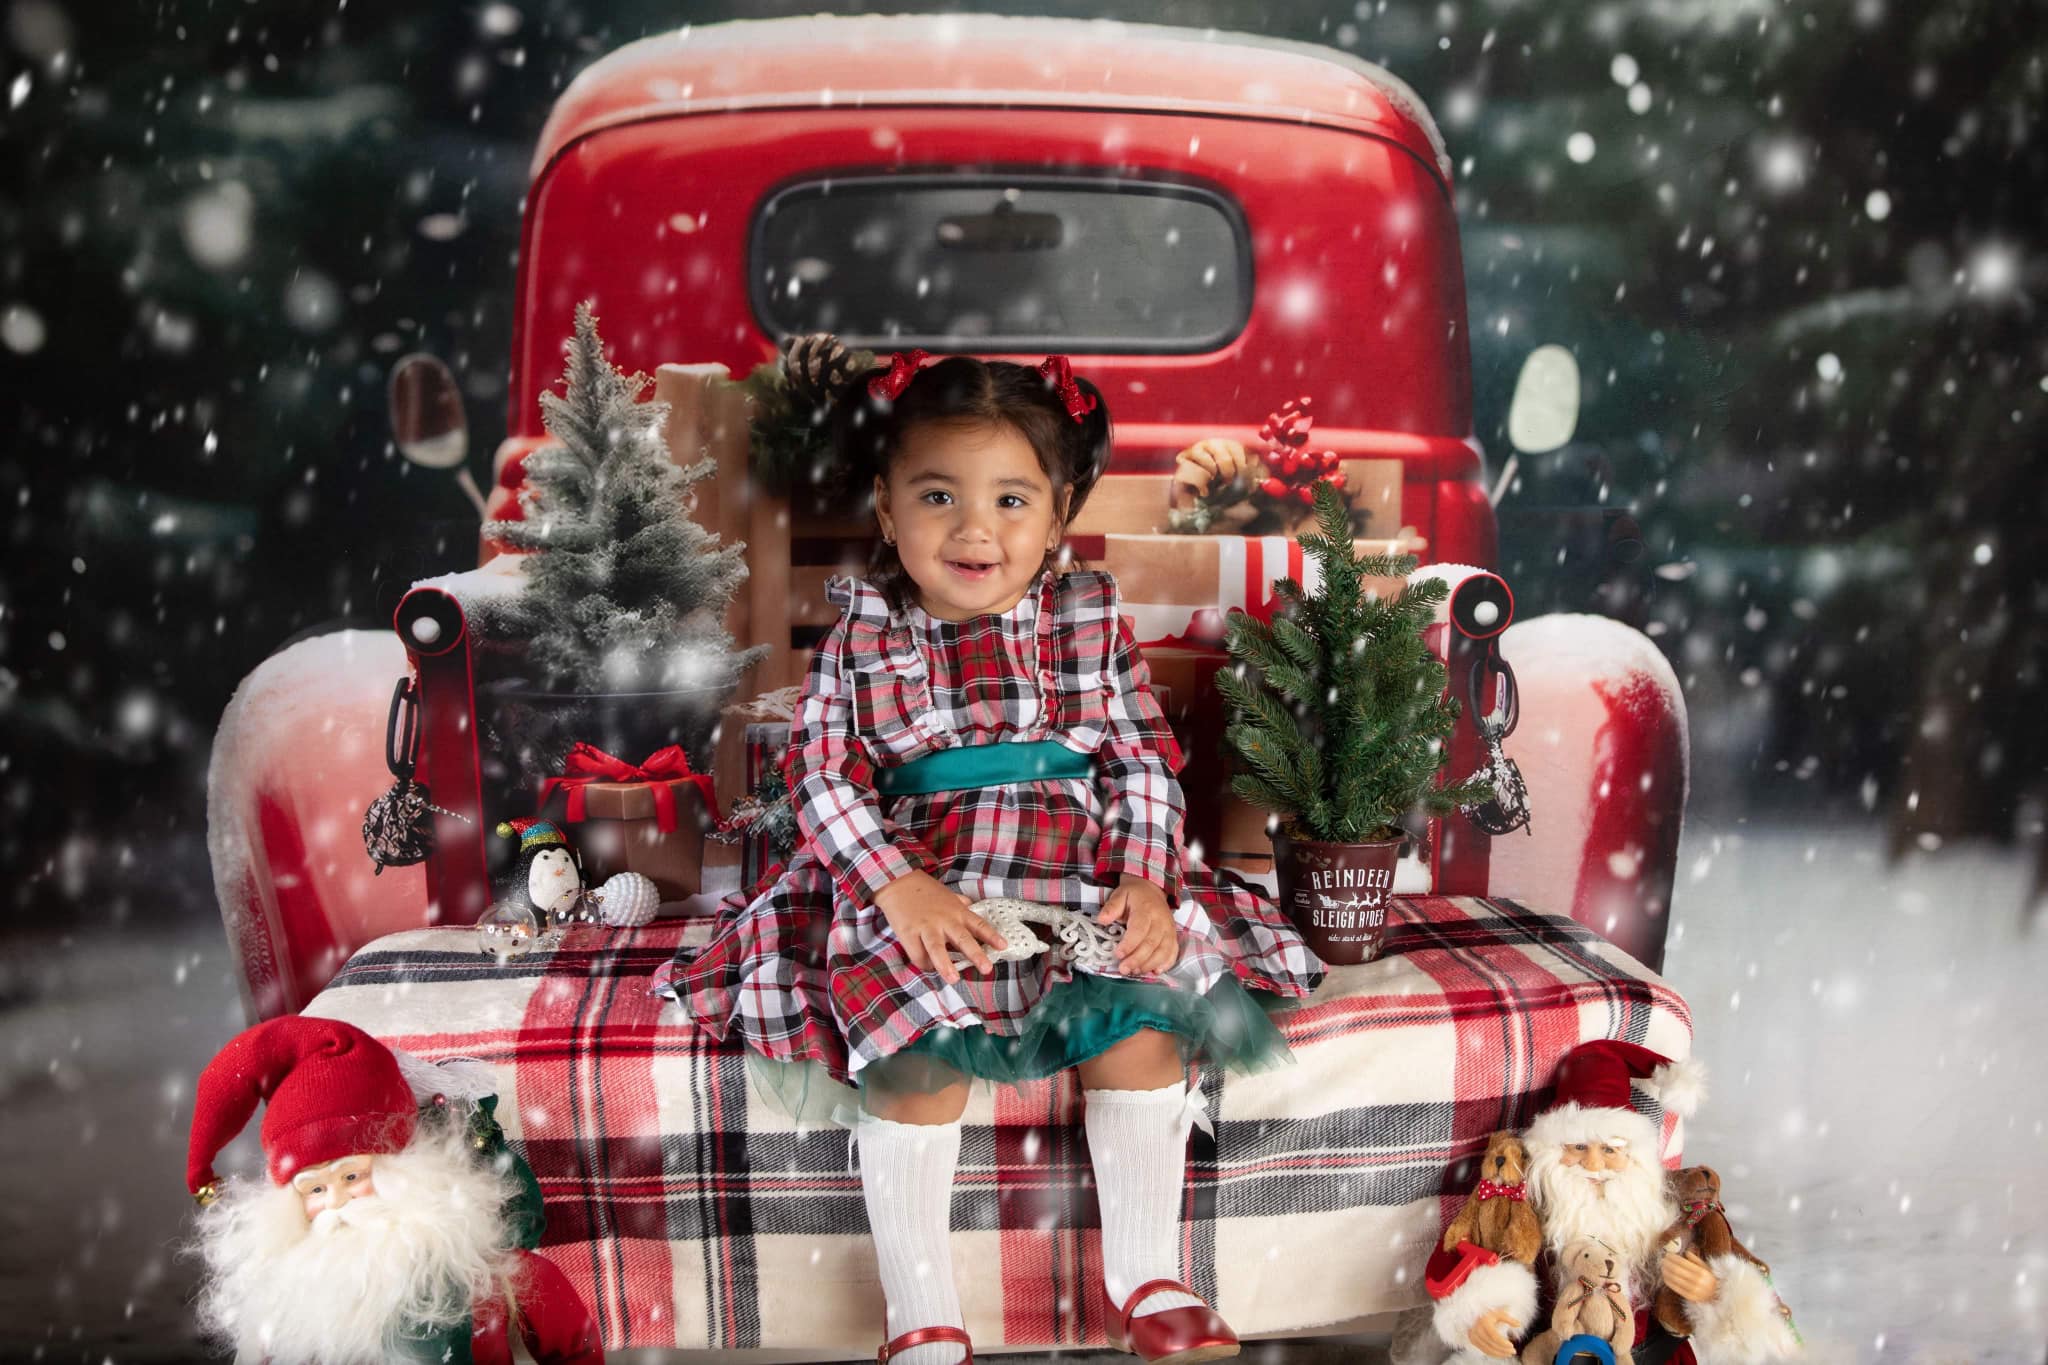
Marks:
<point>867,432</point>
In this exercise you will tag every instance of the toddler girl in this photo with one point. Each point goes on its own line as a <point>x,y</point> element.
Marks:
<point>978,725</point>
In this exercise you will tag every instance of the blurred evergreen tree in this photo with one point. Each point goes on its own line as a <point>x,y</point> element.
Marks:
<point>1794,249</point>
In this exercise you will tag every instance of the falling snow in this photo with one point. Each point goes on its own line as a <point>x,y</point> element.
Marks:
<point>1790,250</point>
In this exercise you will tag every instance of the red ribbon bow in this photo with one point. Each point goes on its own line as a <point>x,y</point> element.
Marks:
<point>1519,1191</point>
<point>902,369</point>
<point>1059,372</point>
<point>587,763</point>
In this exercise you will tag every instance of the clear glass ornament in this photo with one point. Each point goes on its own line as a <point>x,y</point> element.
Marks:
<point>508,929</point>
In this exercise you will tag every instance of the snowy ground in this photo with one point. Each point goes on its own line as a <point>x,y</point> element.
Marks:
<point>1877,1115</point>
<point>1878,1108</point>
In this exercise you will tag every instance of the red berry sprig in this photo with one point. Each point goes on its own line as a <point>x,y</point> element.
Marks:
<point>1294,469</point>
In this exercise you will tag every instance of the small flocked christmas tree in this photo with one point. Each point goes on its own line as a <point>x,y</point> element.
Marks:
<point>1339,721</point>
<point>627,594</point>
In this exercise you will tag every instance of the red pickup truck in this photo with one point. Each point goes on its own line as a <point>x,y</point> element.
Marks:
<point>1206,224</point>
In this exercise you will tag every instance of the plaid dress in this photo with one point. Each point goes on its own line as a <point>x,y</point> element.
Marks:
<point>806,966</point>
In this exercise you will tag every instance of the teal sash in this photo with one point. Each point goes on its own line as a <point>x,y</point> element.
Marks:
<point>983,765</point>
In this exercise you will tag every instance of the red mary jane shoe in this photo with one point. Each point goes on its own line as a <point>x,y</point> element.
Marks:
<point>920,1337</point>
<point>1177,1336</point>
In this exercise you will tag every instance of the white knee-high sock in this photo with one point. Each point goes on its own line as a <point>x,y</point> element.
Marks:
<point>1138,1142</point>
<point>906,1175</point>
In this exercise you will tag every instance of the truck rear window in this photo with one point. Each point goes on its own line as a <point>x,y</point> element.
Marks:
<point>1016,263</point>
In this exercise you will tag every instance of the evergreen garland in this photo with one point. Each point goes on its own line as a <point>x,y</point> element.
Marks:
<point>768,812</point>
<point>1339,720</point>
<point>1199,517</point>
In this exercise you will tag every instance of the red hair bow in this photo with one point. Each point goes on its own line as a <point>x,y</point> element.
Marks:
<point>1060,373</point>
<point>902,369</point>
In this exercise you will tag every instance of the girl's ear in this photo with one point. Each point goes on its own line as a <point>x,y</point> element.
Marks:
<point>882,507</point>
<point>1059,522</point>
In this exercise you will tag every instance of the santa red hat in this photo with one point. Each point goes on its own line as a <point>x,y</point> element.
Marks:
<point>333,1091</point>
<point>1593,1098</point>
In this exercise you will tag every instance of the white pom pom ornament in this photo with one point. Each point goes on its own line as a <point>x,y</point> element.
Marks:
<point>627,900</point>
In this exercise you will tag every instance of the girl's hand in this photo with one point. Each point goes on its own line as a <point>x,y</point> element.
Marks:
<point>1151,941</point>
<point>928,916</point>
<point>1206,464</point>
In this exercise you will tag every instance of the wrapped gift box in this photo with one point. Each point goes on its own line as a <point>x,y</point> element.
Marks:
<point>621,832</point>
<point>1136,504</point>
<point>1230,832</point>
<point>1178,589</point>
<point>720,857</point>
<point>708,415</point>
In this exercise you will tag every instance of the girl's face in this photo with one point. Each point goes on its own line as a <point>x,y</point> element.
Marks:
<point>972,515</point>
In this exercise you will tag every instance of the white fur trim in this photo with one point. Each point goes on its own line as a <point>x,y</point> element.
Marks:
<point>459,1078</point>
<point>1741,1324</point>
<point>1571,1122</point>
<point>1510,1285</point>
<point>1415,1340</point>
<point>1681,1086</point>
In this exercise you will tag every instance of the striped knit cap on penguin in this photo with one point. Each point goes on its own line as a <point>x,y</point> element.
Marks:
<point>532,834</point>
<point>332,1091</point>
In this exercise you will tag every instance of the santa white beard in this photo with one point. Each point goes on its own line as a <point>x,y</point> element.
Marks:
<point>1626,1210</point>
<point>412,1257</point>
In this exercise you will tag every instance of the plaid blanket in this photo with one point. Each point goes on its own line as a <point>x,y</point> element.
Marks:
<point>690,1212</point>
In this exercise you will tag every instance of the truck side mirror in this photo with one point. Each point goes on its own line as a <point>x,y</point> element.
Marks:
<point>1545,409</point>
<point>428,423</point>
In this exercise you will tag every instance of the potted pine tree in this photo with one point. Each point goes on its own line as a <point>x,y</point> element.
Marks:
<point>1339,724</point>
<point>620,626</point>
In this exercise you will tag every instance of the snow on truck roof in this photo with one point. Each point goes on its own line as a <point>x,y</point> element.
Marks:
<point>987,60</point>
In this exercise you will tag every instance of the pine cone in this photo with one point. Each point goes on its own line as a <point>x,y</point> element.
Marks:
<point>817,366</point>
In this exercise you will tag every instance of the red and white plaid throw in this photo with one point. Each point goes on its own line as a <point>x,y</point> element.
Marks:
<point>691,1212</point>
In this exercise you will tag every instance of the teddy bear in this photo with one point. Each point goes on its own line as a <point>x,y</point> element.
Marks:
<point>1591,1301</point>
<point>1497,1215</point>
<point>1702,1229</point>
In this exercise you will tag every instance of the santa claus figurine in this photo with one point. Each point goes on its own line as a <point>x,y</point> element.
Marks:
<point>1594,1172</point>
<point>387,1230</point>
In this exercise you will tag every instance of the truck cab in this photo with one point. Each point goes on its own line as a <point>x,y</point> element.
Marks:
<point>1207,225</point>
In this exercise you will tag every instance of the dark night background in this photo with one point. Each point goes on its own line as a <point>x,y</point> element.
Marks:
<point>223,222</point>
<point>1795,248</point>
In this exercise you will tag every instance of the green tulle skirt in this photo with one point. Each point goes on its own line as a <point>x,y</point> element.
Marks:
<point>1231,1027</point>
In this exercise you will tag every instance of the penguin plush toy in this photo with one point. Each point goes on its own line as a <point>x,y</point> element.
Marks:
<point>551,874</point>
<point>550,870</point>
